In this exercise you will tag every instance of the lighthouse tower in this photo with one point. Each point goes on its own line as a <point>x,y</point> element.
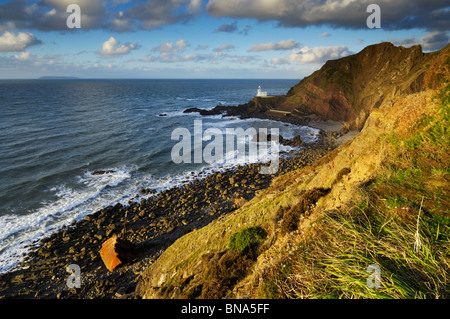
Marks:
<point>259,93</point>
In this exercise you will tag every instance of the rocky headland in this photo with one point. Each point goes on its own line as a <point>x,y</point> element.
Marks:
<point>346,90</point>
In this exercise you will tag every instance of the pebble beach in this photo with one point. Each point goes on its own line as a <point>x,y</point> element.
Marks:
<point>151,226</point>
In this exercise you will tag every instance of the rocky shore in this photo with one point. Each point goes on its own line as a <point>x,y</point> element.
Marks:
<point>248,110</point>
<point>151,226</point>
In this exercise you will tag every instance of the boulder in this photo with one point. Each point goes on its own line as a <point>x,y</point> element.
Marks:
<point>103,172</point>
<point>202,111</point>
<point>263,137</point>
<point>297,141</point>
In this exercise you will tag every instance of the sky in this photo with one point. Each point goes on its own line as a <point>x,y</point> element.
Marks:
<point>251,39</point>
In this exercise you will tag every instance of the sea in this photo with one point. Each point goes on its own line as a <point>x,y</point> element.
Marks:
<point>54,134</point>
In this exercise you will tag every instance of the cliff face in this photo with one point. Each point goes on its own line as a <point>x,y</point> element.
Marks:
<point>347,89</point>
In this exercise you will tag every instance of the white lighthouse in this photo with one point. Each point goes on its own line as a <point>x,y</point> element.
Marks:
<point>259,93</point>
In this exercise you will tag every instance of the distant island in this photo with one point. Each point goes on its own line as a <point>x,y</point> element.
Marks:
<point>58,78</point>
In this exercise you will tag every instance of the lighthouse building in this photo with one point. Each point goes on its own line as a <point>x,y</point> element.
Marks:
<point>260,93</point>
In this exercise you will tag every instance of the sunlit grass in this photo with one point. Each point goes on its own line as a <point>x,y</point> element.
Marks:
<point>400,222</point>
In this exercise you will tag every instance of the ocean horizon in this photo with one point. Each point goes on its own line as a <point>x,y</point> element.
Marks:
<point>75,78</point>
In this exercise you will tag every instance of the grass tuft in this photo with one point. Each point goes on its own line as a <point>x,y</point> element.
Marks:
<point>247,240</point>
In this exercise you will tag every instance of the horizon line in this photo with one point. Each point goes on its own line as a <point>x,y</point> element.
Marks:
<point>69,78</point>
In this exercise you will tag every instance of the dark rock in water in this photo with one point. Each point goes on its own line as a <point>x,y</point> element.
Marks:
<point>263,137</point>
<point>274,137</point>
<point>146,191</point>
<point>163,114</point>
<point>192,110</point>
<point>214,111</point>
<point>103,172</point>
<point>297,140</point>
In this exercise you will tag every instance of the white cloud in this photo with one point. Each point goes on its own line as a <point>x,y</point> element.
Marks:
<point>313,55</point>
<point>170,57</point>
<point>432,41</point>
<point>148,58</point>
<point>325,35</point>
<point>52,12</point>
<point>10,42</point>
<point>172,52</point>
<point>111,47</point>
<point>435,40</point>
<point>244,59</point>
<point>282,45</point>
<point>194,6</point>
<point>178,46</point>
<point>224,47</point>
<point>120,23</point>
<point>23,56</point>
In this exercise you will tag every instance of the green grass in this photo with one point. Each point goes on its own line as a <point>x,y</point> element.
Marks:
<point>422,157</point>
<point>433,130</point>
<point>247,239</point>
<point>411,177</point>
<point>335,263</point>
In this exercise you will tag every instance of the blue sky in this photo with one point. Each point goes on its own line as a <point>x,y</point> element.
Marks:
<point>204,38</point>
